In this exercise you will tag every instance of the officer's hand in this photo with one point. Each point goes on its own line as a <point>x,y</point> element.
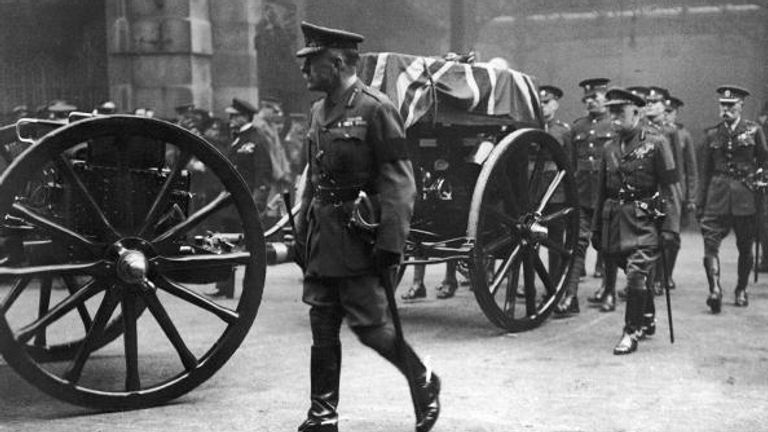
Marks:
<point>597,240</point>
<point>384,260</point>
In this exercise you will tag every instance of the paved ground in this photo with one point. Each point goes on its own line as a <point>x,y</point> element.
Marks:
<point>559,377</point>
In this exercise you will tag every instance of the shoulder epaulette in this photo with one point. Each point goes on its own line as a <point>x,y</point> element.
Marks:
<point>372,92</point>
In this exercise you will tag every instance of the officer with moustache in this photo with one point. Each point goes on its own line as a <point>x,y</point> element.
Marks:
<point>356,144</point>
<point>588,136</point>
<point>732,153</point>
<point>636,179</point>
<point>550,96</point>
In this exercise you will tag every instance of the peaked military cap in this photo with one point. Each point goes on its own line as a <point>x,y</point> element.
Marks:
<point>60,106</point>
<point>593,85</point>
<point>184,108</point>
<point>657,93</point>
<point>317,39</point>
<point>620,96</point>
<point>240,106</point>
<point>732,93</point>
<point>549,92</point>
<point>673,103</point>
<point>639,91</point>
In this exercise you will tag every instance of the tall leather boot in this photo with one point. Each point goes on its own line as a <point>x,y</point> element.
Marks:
<point>745,266</point>
<point>712,268</point>
<point>633,316</point>
<point>569,303</point>
<point>325,370</point>
<point>427,408</point>
<point>649,317</point>
<point>609,282</point>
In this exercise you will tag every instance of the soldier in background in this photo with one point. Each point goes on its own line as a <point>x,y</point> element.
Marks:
<point>588,136</point>
<point>635,171</point>
<point>685,160</point>
<point>59,110</point>
<point>249,154</point>
<point>762,267</point>
<point>655,111</point>
<point>356,143</point>
<point>732,152</point>
<point>561,131</point>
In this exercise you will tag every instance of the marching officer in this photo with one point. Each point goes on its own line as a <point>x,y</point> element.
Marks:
<point>762,267</point>
<point>561,131</point>
<point>655,111</point>
<point>588,136</point>
<point>249,153</point>
<point>685,159</point>
<point>356,143</point>
<point>732,153</point>
<point>637,175</point>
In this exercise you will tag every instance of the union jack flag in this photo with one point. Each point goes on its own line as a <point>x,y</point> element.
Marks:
<point>415,84</point>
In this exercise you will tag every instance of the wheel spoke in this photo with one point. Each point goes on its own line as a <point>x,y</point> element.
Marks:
<point>510,296</point>
<point>130,342</point>
<point>69,173</point>
<point>162,196</point>
<point>54,229</point>
<point>91,340</point>
<point>547,219</point>
<point>169,264</point>
<point>498,243</point>
<point>161,316</point>
<point>96,268</point>
<point>224,199</point>
<point>76,300</point>
<point>85,316</point>
<point>43,306</point>
<point>498,276</point>
<point>227,315</point>
<point>18,287</point>
<point>529,278</point>
<point>550,191</point>
<point>541,270</point>
<point>551,244</point>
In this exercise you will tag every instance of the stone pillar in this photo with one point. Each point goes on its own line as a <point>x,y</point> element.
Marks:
<point>160,54</point>
<point>233,65</point>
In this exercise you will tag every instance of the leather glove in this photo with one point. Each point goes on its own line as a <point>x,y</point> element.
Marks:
<point>597,240</point>
<point>385,260</point>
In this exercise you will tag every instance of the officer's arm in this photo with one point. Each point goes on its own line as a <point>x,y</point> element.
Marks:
<point>668,184</point>
<point>691,168</point>
<point>706,174</point>
<point>597,216</point>
<point>394,181</point>
<point>761,151</point>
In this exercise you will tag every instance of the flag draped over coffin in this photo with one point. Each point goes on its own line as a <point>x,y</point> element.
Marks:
<point>415,84</point>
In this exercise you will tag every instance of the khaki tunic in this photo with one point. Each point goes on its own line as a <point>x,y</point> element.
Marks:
<point>357,142</point>
<point>588,137</point>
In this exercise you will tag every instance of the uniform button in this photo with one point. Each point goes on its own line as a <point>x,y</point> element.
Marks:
<point>591,158</point>
<point>591,132</point>
<point>591,145</point>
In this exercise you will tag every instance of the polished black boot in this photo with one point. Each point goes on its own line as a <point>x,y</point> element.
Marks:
<point>633,315</point>
<point>416,291</point>
<point>325,369</point>
<point>712,268</point>
<point>599,295</point>
<point>745,266</point>
<point>649,317</point>
<point>428,401</point>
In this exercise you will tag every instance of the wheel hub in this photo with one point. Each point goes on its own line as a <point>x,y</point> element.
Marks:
<point>132,266</point>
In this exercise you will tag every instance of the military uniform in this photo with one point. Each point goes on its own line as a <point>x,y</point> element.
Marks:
<point>730,154</point>
<point>588,137</point>
<point>636,171</point>
<point>356,143</point>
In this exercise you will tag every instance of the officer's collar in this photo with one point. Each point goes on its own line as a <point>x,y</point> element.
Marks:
<point>345,96</point>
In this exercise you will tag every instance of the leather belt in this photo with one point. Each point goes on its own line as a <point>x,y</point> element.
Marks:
<point>336,195</point>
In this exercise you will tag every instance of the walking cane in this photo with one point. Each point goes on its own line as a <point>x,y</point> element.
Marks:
<point>665,276</point>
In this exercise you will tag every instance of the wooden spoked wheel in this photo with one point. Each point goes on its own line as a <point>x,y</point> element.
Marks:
<point>107,246</point>
<point>512,219</point>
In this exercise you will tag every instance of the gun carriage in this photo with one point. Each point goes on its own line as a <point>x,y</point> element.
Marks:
<point>113,224</point>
